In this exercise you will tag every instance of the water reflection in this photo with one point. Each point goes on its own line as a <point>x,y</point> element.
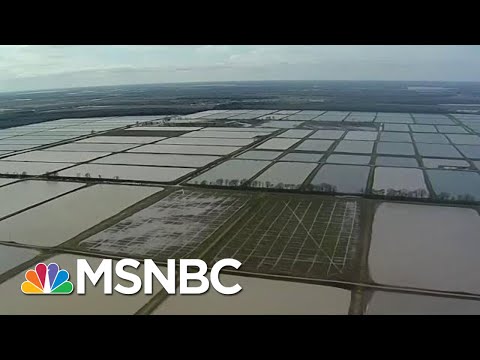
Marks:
<point>230,173</point>
<point>399,182</point>
<point>349,179</point>
<point>284,175</point>
<point>455,185</point>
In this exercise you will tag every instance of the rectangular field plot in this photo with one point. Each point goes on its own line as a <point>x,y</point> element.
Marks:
<point>430,138</point>
<point>296,236</point>
<point>335,116</point>
<point>395,148</point>
<point>461,139</point>
<point>165,128</point>
<point>315,145</point>
<point>401,118</point>
<point>260,155</point>
<point>302,157</point>
<point>423,128</point>
<point>56,156</point>
<point>360,117</point>
<point>455,185</point>
<point>347,179</point>
<point>29,168</point>
<point>348,159</point>
<point>327,134</point>
<point>205,141</point>
<point>403,182</point>
<point>275,116</point>
<point>445,163</point>
<point>92,147</point>
<point>185,149</point>
<point>303,116</point>
<point>295,133</point>
<point>395,136</point>
<point>284,175</point>
<point>214,133</point>
<point>361,135</point>
<point>355,147</point>
<point>396,161</point>
<point>193,161</point>
<point>277,144</point>
<point>453,129</point>
<point>470,151</point>
<point>122,139</point>
<point>427,247</point>
<point>282,124</point>
<point>230,173</point>
<point>124,172</point>
<point>395,127</point>
<point>175,227</point>
<point>438,150</point>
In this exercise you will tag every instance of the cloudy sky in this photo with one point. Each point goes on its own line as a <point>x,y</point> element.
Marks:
<point>31,67</point>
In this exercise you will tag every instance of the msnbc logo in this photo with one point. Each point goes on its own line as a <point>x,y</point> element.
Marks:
<point>47,280</point>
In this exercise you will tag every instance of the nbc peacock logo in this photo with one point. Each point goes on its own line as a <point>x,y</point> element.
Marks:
<point>47,280</point>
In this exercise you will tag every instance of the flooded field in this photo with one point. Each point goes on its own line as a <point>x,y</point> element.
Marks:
<point>277,144</point>
<point>59,220</point>
<point>18,196</point>
<point>445,163</point>
<point>284,175</point>
<point>348,179</point>
<point>61,157</point>
<point>395,137</point>
<point>302,157</point>
<point>260,155</point>
<point>192,161</point>
<point>121,139</point>
<point>11,257</point>
<point>348,159</point>
<point>446,184</point>
<point>295,133</point>
<point>5,181</point>
<point>405,182</point>
<point>327,134</point>
<point>230,173</point>
<point>261,297</point>
<point>124,172</point>
<point>392,303</point>
<point>314,145</point>
<point>361,135</point>
<point>205,141</point>
<point>185,149</point>
<point>430,138</point>
<point>355,147</point>
<point>395,148</point>
<point>396,161</point>
<point>83,147</point>
<point>438,150</point>
<point>411,244</point>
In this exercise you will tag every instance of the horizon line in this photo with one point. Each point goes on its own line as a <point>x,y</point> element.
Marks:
<point>232,81</point>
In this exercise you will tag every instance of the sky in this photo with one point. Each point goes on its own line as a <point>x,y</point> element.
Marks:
<point>36,67</point>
